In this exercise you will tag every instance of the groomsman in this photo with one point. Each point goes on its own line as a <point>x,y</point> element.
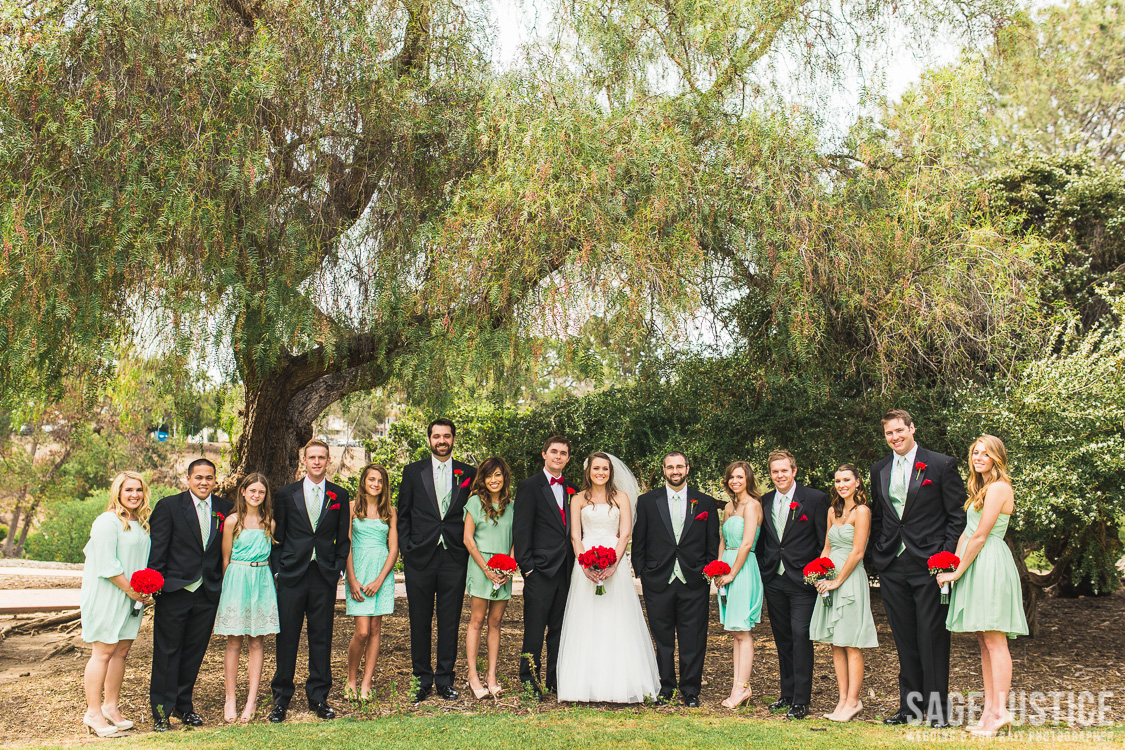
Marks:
<point>794,525</point>
<point>916,511</point>
<point>311,543</point>
<point>431,535</point>
<point>675,535</point>
<point>540,527</point>
<point>187,550</point>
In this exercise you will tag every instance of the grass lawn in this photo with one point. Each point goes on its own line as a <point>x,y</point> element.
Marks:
<point>591,728</point>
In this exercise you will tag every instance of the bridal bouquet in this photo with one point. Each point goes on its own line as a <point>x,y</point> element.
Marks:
<point>715,570</point>
<point>820,569</point>
<point>598,559</point>
<point>502,565</point>
<point>145,581</point>
<point>943,562</point>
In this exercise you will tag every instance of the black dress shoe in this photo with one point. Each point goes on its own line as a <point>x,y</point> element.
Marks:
<point>422,694</point>
<point>160,724</point>
<point>797,711</point>
<point>189,718</point>
<point>898,718</point>
<point>937,722</point>
<point>447,692</point>
<point>691,701</point>
<point>277,714</point>
<point>780,703</point>
<point>322,710</point>
<point>663,699</point>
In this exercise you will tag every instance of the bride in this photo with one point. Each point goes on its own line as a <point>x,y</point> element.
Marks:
<point>605,652</point>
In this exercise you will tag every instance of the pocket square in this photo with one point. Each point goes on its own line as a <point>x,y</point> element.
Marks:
<point>466,483</point>
<point>702,516</point>
<point>803,518</point>
<point>334,506</point>
<point>927,482</point>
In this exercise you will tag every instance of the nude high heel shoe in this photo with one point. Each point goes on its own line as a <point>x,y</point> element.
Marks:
<point>121,725</point>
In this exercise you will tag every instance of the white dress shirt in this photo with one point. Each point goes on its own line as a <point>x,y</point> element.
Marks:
<point>556,489</point>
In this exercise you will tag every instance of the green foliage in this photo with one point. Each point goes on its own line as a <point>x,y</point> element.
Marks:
<point>1063,421</point>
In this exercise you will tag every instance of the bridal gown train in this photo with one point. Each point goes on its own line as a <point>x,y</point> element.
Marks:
<point>606,653</point>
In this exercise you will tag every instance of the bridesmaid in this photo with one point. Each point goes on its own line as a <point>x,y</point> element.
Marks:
<point>118,547</point>
<point>488,532</point>
<point>248,604</point>
<point>986,598</point>
<point>846,622</point>
<point>370,573</point>
<point>741,608</point>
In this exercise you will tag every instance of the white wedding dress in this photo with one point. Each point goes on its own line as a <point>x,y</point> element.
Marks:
<point>606,653</point>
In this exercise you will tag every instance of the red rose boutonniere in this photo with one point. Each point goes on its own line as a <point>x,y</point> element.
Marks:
<point>330,495</point>
<point>570,490</point>
<point>219,518</point>
<point>919,467</point>
<point>457,473</point>
<point>793,506</point>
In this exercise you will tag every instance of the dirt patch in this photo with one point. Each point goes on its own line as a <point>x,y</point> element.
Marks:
<point>10,582</point>
<point>1079,649</point>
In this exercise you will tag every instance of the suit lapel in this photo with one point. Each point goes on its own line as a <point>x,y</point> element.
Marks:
<point>552,504</point>
<point>428,484</point>
<point>325,501</point>
<point>885,483</point>
<point>767,517</point>
<point>689,514</point>
<point>214,525</point>
<point>916,478</point>
<point>791,514</point>
<point>193,519</point>
<point>662,508</point>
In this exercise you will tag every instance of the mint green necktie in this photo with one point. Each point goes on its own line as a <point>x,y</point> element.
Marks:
<point>679,518</point>
<point>779,512</point>
<point>897,490</point>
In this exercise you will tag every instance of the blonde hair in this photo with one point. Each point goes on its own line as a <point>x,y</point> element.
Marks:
<point>143,511</point>
<point>978,483</point>
<point>781,455</point>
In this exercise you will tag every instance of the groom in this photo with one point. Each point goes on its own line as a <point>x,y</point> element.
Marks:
<point>675,535</point>
<point>540,528</point>
<point>917,510</point>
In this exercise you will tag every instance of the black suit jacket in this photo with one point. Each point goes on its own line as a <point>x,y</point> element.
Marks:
<point>800,542</point>
<point>177,545</point>
<point>295,538</point>
<point>420,524</point>
<point>656,549</point>
<point>933,517</point>
<point>541,535</point>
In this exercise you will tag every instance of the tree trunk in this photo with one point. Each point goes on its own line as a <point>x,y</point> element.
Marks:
<point>280,408</point>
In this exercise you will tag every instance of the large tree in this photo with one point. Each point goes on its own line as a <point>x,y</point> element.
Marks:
<point>331,194</point>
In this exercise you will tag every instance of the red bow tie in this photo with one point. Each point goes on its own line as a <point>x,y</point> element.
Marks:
<point>557,480</point>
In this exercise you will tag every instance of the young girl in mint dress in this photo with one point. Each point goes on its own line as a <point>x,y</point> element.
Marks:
<point>370,571</point>
<point>248,604</point>
<point>740,607</point>
<point>986,597</point>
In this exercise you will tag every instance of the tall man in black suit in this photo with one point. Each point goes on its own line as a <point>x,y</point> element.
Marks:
<point>675,535</point>
<point>312,521</point>
<point>794,525</point>
<point>187,550</point>
<point>540,528</point>
<point>917,499</point>
<point>431,535</point>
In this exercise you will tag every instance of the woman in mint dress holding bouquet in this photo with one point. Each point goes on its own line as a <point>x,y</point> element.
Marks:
<point>741,593</point>
<point>370,572</point>
<point>248,605</point>
<point>845,621</point>
<point>986,596</point>
<point>488,532</point>
<point>118,547</point>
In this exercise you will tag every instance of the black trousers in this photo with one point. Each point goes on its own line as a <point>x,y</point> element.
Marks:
<point>791,610</point>
<point>679,613</point>
<point>181,629</point>
<point>544,602</point>
<point>441,582</point>
<point>311,599</point>
<point>914,610</point>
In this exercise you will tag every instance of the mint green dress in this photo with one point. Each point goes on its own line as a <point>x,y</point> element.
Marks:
<point>988,595</point>
<point>741,607</point>
<point>112,551</point>
<point>248,604</point>
<point>492,538</point>
<point>847,620</point>
<point>369,553</point>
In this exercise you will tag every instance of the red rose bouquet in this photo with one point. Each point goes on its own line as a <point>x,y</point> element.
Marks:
<point>943,562</point>
<point>715,570</point>
<point>598,558</point>
<point>145,581</point>
<point>502,565</point>
<point>820,569</point>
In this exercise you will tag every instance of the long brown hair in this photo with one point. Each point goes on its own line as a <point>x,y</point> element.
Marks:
<point>382,500</point>
<point>143,511</point>
<point>751,482</point>
<point>486,469</point>
<point>978,483</point>
<point>265,510</point>
<point>588,479</point>
<point>860,496</point>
